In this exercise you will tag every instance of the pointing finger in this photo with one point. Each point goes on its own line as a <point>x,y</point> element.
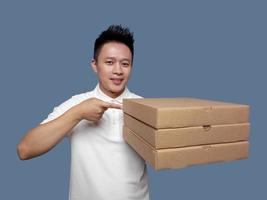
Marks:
<point>115,105</point>
<point>107,105</point>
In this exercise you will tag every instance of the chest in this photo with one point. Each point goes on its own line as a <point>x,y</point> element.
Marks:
<point>109,127</point>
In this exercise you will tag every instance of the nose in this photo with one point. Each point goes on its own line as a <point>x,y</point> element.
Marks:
<point>117,69</point>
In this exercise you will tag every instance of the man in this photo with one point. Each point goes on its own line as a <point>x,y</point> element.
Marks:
<point>103,166</point>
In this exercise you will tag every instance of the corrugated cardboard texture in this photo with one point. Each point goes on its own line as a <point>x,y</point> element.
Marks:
<point>175,158</point>
<point>189,136</point>
<point>184,112</point>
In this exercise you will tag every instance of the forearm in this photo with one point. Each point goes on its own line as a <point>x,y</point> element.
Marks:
<point>44,137</point>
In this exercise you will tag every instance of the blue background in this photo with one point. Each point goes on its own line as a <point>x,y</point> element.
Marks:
<point>207,49</point>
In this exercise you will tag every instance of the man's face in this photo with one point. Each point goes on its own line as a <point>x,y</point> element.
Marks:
<point>113,67</point>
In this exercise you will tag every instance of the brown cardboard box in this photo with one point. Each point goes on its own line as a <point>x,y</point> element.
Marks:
<point>185,112</point>
<point>186,156</point>
<point>188,136</point>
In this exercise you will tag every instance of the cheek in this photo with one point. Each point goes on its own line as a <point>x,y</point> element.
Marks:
<point>104,72</point>
<point>127,73</point>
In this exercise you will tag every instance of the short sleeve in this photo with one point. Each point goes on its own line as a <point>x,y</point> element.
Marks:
<point>64,107</point>
<point>58,111</point>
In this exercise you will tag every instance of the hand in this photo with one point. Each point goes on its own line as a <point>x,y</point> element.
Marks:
<point>93,109</point>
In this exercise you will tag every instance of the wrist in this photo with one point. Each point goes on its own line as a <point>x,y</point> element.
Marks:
<point>76,113</point>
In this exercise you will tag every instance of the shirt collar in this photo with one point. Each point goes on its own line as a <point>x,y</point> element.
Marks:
<point>101,95</point>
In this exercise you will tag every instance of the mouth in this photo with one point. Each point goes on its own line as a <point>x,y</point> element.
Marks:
<point>116,81</point>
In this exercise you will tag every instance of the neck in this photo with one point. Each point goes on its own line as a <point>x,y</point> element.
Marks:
<point>112,95</point>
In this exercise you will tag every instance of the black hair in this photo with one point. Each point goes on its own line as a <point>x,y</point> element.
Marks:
<point>114,33</point>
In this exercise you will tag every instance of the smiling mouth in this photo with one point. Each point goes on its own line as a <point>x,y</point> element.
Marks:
<point>116,81</point>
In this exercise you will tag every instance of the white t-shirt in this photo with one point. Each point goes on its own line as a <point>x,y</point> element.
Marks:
<point>103,165</point>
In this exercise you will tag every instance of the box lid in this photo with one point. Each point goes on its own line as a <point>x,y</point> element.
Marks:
<point>184,112</point>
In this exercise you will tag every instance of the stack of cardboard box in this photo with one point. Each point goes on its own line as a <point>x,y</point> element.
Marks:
<point>180,132</point>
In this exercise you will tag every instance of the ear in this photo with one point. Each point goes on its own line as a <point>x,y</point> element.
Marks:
<point>93,64</point>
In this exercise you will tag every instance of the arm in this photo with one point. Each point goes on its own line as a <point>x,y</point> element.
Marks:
<point>44,137</point>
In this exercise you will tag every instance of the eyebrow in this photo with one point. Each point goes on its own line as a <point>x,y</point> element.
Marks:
<point>123,59</point>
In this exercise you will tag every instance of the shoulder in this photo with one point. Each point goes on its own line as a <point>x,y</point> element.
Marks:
<point>68,104</point>
<point>81,97</point>
<point>76,99</point>
<point>133,95</point>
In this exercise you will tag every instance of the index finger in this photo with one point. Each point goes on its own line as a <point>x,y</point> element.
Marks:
<point>115,105</point>
<point>107,105</point>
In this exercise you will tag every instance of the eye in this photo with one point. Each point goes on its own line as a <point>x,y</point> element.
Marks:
<point>125,64</point>
<point>109,62</point>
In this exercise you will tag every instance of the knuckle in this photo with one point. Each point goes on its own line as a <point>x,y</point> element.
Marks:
<point>99,111</point>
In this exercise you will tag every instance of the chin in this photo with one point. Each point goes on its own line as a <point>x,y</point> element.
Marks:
<point>117,89</point>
